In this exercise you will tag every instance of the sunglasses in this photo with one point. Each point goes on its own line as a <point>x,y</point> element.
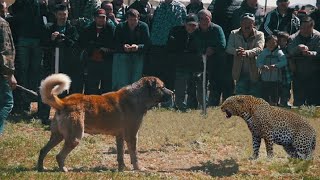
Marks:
<point>248,15</point>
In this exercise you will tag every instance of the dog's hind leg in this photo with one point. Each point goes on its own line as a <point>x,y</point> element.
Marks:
<point>55,139</point>
<point>120,152</point>
<point>68,146</point>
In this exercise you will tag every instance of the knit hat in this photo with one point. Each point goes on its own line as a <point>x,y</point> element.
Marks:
<point>192,19</point>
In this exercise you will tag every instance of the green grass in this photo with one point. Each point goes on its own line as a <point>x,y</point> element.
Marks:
<point>171,146</point>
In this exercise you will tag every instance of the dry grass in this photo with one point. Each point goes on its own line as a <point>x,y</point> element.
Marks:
<point>171,145</point>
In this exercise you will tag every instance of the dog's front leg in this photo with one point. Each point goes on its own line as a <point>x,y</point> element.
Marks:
<point>120,152</point>
<point>132,147</point>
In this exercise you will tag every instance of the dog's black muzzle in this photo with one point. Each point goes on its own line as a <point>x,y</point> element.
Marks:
<point>167,95</point>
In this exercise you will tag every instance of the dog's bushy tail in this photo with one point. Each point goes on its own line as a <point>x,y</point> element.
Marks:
<point>51,87</point>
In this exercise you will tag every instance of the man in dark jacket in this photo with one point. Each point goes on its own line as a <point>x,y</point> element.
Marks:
<point>184,52</point>
<point>222,14</point>
<point>213,44</point>
<point>145,9</point>
<point>194,7</point>
<point>29,28</point>
<point>97,40</point>
<point>63,35</point>
<point>315,15</point>
<point>131,39</point>
<point>280,19</point>
<point>248,6</point>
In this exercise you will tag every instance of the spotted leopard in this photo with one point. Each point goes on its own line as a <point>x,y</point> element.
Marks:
<point>274,125</point>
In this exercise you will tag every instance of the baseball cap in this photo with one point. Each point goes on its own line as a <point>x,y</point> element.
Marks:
<point>248,16</point>
<point>100,12</point>
<point>192,19</point>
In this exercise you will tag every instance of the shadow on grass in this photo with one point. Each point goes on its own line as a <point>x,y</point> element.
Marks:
<point>20,169</point>
<point>222,168</point>
<point>16,169</point>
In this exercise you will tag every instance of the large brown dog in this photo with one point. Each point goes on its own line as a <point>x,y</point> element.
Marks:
<point>117,113</point>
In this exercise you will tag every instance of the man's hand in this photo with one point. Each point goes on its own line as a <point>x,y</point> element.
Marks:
<point>54,35</point>
<point>12,82</point>
<point>134,47</point>
<point>307,53</point>
<point>126,48</point>
<point>265,67</point>
<point>303,48</point>
<point>241,52</point>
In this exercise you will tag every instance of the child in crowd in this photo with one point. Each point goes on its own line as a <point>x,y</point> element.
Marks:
<point>270,61</point>
<point>285,86</point>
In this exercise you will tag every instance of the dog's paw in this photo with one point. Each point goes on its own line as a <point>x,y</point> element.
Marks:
<point>42,169</point>
<point>64,169</point>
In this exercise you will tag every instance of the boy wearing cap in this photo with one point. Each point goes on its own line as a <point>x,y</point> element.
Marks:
<point>280,19</point>
<point>245,44</point>
<point>185,54</point>
<point>97,41</point>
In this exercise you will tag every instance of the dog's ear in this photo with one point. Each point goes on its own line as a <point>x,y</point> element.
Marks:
<point>153,83</point>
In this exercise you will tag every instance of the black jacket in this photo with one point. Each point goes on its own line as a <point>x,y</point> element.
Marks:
<point>184,48</point>
<point>28,17</point>
<point>315,15</point>
<point>140,36</point>
<point>90,41</point>
<point>274,22</point>
<point>258,11</point>
<point>194,8</point>
<point>222,14</point>
<point>144,10</point>
<point>70,39</point>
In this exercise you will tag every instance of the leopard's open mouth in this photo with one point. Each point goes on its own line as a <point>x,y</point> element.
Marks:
<point>228,114</point>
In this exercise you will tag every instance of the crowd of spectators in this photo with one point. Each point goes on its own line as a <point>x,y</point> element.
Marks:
<point>104,46</point>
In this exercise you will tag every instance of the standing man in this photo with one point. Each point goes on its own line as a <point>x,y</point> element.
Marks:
<point>97,40</point>
<point>7,79</point>
<point>315,15</point>
<point>29,28</point>
<point>245,44</point>
<point>131,40</point>
<point>145,9</point>
<point>63,35</point>
<point>304,48</point>
<point>213,44</point>
<point>111,18</point>
<point>184,52</point>
<point>195,6</point>
<point>280,19</point>
<point>248,6</point>
<point>119,10</point>
<point>168,14</point>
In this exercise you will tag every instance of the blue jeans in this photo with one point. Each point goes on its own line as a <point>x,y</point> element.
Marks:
<point>126,69</point>
<point>6,101</point>
<point>245,86</point>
